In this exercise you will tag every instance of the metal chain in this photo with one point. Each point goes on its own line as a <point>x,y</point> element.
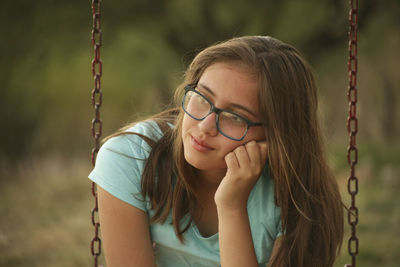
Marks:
<point>95,245</point>
<point>352,128</point>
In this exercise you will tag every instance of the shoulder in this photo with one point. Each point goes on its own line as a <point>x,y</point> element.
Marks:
<point>121,161</point>
<point>132,141</point>
<point>147,128</point>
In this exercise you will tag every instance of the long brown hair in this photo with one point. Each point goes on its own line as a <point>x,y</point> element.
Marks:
<point>305,189</point>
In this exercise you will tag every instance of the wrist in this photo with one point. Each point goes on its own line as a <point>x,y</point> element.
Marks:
<point>231,210</point>
<point>232,204</point>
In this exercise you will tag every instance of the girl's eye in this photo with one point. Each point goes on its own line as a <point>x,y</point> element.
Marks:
<point>203,100</point>
<point>232,118</point>
<point>199,99</point>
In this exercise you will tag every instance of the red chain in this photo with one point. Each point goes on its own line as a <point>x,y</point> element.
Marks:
<point>96,122</point>
<point>352,128</point>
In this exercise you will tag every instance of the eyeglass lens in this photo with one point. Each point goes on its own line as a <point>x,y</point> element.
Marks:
<point>228,123</point>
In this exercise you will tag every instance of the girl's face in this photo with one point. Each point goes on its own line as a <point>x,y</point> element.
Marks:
<point>228,86</point>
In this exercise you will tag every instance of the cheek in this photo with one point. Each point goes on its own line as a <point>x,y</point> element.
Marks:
<point>230,146</point>
<point>257,134</point>
<point>186,123</point>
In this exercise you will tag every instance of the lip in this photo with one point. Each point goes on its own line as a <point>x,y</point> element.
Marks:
<point>200,146</point>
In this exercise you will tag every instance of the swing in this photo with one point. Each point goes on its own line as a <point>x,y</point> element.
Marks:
<point>352,126</point>
<point>96,122</point>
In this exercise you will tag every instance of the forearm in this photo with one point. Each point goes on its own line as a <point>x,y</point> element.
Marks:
<point>235,240</point>
<point>244,166</point>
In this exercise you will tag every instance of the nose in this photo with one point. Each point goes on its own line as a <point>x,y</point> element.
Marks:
<point>208,125</point>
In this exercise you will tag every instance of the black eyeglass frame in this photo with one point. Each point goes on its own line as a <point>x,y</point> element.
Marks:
<point>192,87</point>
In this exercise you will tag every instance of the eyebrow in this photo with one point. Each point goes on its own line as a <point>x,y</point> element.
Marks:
<point>205,87</point>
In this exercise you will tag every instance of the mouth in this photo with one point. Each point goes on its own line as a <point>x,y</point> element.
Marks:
<point>200,145</point>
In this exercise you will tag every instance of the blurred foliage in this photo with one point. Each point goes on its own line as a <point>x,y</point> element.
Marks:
<point>45,76</point>
<point>45,105</point>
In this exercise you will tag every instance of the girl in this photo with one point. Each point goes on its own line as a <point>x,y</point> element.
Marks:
<point>234,175</point>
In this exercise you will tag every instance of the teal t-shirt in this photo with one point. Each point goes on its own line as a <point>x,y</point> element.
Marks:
<point>118,170</point>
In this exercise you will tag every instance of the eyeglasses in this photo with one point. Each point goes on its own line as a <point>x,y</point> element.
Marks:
<point>229,124</point>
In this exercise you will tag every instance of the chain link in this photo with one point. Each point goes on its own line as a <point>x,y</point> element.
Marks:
<point>97,97</point>
<point>352,128</point>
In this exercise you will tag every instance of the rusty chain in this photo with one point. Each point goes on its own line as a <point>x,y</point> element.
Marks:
<point>352,128</point>
<point>95,245</point>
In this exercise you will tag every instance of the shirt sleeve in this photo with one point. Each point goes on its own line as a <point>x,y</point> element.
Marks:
<point>119,167</point>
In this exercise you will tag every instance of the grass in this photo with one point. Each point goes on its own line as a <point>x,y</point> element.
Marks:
<point>45,211</point>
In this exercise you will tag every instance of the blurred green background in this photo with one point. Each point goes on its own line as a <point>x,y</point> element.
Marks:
<point>45,105</point>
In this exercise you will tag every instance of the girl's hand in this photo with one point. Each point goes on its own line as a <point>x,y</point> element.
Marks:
<point>245,165</point>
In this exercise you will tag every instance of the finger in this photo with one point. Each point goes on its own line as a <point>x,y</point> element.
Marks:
<point>242,156</point>
<point>263,151</point>
<point>231,161</point>
<point>253,151</point>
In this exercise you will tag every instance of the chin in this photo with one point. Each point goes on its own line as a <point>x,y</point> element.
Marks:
<point>203,162</point>
<point>195,161</point>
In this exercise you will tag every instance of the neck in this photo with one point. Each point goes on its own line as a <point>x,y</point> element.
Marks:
<point>209,180</point>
